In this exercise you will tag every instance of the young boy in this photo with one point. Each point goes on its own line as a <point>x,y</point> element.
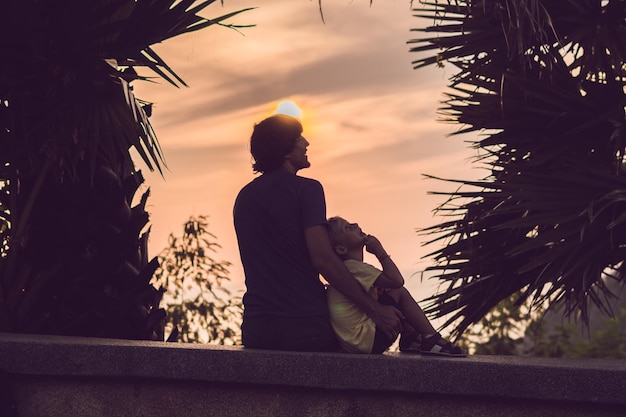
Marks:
<point>356,332</point>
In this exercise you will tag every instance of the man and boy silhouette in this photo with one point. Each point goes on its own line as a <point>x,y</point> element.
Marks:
<point>286,242</point>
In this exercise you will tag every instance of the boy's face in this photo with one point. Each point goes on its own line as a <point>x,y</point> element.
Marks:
<point>346,234</point>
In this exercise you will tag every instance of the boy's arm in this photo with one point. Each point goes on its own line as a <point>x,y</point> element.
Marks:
<point>327,263</point>
<point>391,276</point>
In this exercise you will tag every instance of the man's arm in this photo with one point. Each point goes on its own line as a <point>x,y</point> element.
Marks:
<point>387,318</point>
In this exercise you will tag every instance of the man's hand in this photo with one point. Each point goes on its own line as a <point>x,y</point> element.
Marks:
<point>389,320</point>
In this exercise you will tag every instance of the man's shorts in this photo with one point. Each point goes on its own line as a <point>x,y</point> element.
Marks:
<point>304,334</point>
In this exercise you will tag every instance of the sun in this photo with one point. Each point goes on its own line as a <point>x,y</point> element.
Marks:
<point>289,108</point>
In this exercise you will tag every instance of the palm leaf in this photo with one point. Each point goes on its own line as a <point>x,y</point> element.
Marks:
<point>545,86</point>
<point>71,261</point>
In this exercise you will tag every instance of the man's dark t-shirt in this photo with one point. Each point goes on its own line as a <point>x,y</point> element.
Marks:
<point>270,215</point>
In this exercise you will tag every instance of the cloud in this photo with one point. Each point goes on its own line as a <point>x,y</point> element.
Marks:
<point>290,52</point>
<point>370,118</point>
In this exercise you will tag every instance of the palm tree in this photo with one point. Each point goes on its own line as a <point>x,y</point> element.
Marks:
<point>73,258</point>
<point>543,82</point>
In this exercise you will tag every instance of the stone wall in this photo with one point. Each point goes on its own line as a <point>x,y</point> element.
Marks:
<point>48,376</point>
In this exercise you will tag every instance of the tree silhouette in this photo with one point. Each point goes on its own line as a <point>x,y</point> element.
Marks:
<point>73,257</point>
<point>543,82</point>
<point>199,308</point>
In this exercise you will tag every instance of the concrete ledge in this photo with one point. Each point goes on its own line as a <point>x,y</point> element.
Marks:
<point>48,373</point>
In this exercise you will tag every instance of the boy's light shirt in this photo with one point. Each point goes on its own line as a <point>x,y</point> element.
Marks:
<point>354,329</point>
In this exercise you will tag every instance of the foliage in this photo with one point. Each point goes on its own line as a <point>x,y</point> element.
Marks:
<point>199,308</point>
<point>73,251</point>
<point>543,82</point>
<point>507,330</point>
<point>500,332</point>
<point>553,344</point>
<point>563,340</point>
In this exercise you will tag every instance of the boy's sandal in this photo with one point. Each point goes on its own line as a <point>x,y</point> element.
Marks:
<point>434,345</point>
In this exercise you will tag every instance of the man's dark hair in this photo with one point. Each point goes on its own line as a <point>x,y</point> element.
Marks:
<point>271,140</point>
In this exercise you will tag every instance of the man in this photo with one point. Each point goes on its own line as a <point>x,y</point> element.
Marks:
<point>280,222</point>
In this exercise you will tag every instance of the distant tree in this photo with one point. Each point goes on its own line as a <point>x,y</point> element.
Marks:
<point>73,256</point>
<point>608,340</point>
<point>199,308</point>
<point>543,82</point>
<point>500,332</point>
<point>511,330</point>
<point>555,343</point>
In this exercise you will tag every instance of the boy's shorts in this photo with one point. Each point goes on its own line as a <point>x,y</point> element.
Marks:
<point>381,340</point>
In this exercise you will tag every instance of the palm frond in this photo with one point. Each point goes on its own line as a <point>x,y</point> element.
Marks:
<point>71,261</point>
<point>59,49</point>
<point>544,83</point>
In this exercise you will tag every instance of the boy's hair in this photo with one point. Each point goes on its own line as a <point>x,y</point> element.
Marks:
<point>333,240</point>
<point>331,221</point>
<point>272,139</point>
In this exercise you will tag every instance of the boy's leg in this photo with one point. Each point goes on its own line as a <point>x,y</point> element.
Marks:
<point>382,342</point>
<point>413,313</point>
<point>431,341</point>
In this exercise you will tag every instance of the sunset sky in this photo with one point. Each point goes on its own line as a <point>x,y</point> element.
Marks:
<point>370,117</point>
